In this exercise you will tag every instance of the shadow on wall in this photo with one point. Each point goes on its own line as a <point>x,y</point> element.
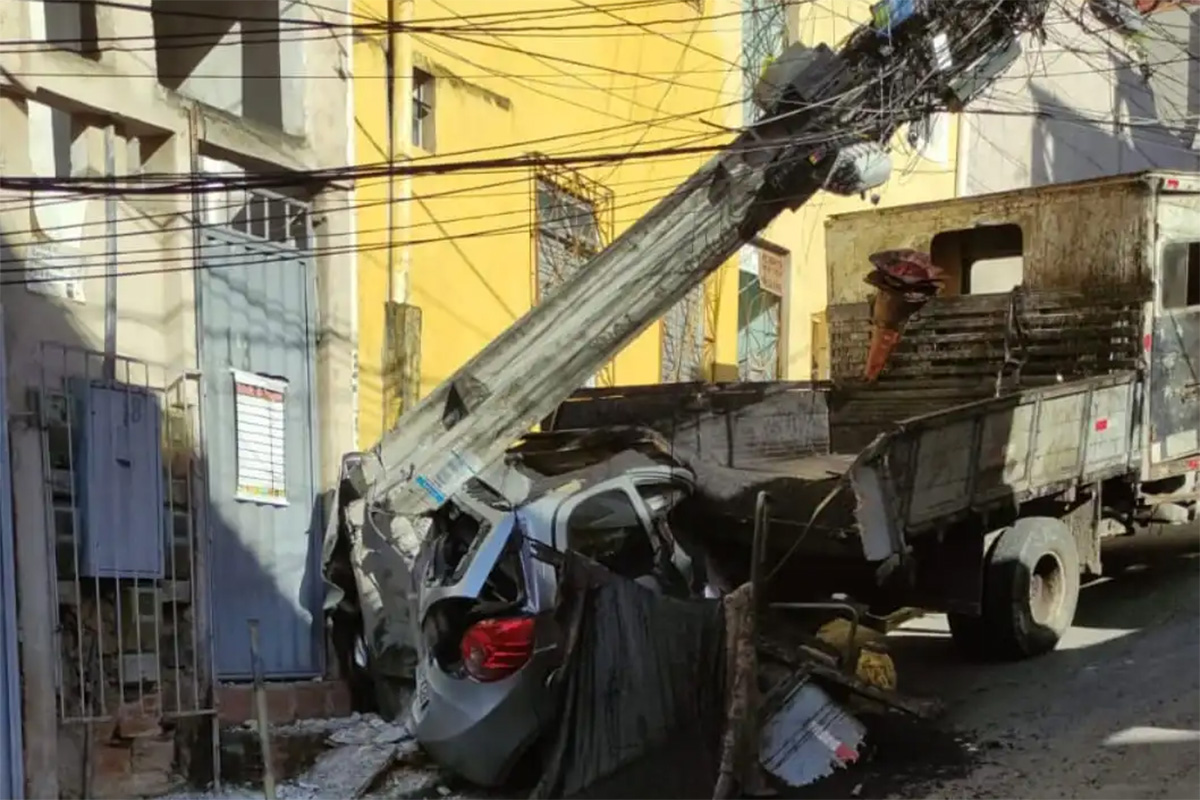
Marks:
<point>133,655</point>
<point>1065,150</point>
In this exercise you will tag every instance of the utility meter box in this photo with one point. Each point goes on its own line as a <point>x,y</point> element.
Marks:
<point>119,480</point>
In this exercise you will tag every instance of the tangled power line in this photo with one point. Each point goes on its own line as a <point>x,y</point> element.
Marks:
<point>555,22</point>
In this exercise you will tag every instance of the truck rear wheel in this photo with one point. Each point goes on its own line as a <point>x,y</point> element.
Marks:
<point>1031,588</point>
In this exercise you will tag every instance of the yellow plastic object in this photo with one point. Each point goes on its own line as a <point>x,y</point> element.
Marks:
<point>874,666</point>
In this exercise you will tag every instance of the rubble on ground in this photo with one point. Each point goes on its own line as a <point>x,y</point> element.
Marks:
<point>361,755</point>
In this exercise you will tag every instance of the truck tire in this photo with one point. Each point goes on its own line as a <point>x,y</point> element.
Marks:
<point>1031,588</point>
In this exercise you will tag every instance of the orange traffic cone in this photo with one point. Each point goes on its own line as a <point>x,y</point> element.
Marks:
<point>889,313</point>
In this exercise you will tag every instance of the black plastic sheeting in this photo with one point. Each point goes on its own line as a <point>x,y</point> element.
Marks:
<point>643,691</point>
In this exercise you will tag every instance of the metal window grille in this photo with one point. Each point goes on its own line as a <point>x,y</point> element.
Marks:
<point>759,315</point>
<point>573,221</point>
<point>684,337</point>
<point>126,641</point>
<point>259,215</point>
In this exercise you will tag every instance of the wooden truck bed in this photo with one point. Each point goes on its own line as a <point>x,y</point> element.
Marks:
<point>932,469</point>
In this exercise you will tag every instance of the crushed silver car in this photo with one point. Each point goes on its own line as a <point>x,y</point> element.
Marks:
<point>486,588</point>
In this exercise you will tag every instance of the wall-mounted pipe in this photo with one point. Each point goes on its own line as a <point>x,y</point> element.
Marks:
<point>110,257</point>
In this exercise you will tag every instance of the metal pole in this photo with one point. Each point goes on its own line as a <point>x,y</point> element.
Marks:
<point>260,708</point>
<point>390,110</point>
<point>758,547</point>
<point>110,256</point>
<point>200,537</point>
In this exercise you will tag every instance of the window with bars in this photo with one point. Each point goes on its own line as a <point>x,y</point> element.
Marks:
<point>683,339</point>
<point>568,235</point>
<point>760,312</point>
<point>423,116</point>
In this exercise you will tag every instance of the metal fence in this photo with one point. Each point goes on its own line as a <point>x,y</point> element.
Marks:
<point>128,592</point>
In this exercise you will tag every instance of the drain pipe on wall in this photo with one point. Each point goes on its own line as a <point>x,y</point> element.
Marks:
<point>961,156</point>
<point>351,158</point>
<point>390,109</point>
<point>110,255</point>
<point>405,70</point>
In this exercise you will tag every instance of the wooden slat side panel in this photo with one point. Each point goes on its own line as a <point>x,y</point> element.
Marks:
<point>1110,429</point>
<point>964,338</point>
<point>941,482</point>
<point>734,425</point>
<point>944,465</point>
<point>1058,439</point>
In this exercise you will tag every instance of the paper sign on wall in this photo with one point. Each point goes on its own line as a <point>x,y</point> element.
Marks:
<point>261,468</point>
<point>771,268</point>
<point>54,270</point>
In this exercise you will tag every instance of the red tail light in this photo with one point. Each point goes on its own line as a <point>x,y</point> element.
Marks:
<point>496,648</point>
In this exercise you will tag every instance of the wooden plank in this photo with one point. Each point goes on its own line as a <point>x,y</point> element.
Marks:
<point>999,303</point>
<point>1096,319</point>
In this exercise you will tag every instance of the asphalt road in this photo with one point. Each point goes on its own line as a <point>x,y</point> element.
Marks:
<point>1113,713</point>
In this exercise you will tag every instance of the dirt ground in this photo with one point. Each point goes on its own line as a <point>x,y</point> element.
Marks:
<point>1113,713</point>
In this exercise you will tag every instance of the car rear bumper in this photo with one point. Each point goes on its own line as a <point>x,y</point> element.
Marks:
<point>480,730</point>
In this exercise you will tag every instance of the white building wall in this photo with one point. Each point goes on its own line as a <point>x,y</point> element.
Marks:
<point>1077,107</point>
<point>56,102</point>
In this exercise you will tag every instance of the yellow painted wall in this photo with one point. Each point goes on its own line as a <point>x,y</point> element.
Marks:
<point>914,180</point>
<point>596,82</point>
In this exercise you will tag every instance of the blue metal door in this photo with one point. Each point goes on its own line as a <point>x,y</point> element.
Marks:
<point>257,332</point>
<point>12,781</point>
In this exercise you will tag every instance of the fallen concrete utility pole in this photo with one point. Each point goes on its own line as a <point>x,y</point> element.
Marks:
<point>821,129</point>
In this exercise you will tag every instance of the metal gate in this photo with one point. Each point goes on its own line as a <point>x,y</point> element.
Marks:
<point>256,292</point>
<point>12,781</point>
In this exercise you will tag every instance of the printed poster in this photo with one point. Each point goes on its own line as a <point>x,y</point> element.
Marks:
<point>261,462</point>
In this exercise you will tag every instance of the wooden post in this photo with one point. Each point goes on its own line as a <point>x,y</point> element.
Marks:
<point>260,709</point>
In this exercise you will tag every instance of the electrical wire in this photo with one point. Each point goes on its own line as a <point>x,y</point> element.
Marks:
<point>467,26</point>
<point>525,227</point>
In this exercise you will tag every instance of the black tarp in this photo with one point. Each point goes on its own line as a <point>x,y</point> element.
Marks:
<point>643,691</point>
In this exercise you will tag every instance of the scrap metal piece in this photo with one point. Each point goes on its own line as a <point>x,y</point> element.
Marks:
<point>809,736</point>
<point>824,668</point>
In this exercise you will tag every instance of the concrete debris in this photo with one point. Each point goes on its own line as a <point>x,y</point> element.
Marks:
<point>349,771</point>
<point>370,729</point>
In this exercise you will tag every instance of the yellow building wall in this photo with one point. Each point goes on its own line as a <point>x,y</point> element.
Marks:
<point>563,81</point>
<point>914,180</point>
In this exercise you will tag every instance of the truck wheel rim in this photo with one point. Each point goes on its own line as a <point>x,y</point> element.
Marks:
<point>1047,588</point>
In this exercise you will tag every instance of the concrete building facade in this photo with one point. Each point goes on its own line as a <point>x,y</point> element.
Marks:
<point>167,342</point>
<point>1088,102</point>
<point>1091,101</point>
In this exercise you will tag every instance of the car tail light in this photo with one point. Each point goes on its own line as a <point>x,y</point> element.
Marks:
<point>496,648</point>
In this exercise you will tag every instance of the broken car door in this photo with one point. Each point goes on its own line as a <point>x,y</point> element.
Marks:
<point>609,524</point>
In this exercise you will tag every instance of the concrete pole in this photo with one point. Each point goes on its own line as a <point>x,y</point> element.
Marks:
<point>36,615</point>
